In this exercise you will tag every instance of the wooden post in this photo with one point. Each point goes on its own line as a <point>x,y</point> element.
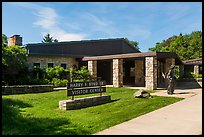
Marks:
<point>72,97</point>
<point>99,80</point>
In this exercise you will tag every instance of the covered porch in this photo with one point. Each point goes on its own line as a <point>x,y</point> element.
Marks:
<point>133,69</point>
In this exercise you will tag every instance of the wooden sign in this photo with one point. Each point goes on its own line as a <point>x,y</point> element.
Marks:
<point>85,91</point>
<point>81,88</point>
<point>86,84</point>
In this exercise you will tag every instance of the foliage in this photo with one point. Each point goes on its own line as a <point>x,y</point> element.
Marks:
<point>37,73</point>
<point>39,81</point>
<point>192,75</point>
<point>57,72</point>
<point>48,39</point>
<point>134,44</point>
<point>80,75</point>
<point>83,73</point>
<point>4,40</point>
<point>187,46</point>
<point>59,83</point>
<point>39,114</point>
<point>13,64</point>
<point>176,72</point>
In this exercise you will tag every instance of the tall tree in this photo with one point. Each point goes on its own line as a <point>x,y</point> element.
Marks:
<point>48,39</point>
<point>4,40</point>
<point>13,64</point>
<point>187,46</point>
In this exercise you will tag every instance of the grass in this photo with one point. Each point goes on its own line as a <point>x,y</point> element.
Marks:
<point>39,114</point>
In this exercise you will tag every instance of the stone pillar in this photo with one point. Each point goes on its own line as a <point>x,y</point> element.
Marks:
<point>117,72</point>
<point>139,73</point>
<point>196,70</point>
<point>168,63</point>
<point>181,70</point>
<point>92,67</point>
<point>151,73</point>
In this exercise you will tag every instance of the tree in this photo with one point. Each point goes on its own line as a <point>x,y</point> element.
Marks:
<point>48,39</point>
<point>134,44</point>
<point>187,46</point>
<point>55,40</point>
<point>4,40</point>
<point>14,69</point>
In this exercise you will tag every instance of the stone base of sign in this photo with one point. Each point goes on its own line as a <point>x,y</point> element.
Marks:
<point>84,102</point>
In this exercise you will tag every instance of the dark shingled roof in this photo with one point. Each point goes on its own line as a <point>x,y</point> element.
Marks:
<point>82,48</point>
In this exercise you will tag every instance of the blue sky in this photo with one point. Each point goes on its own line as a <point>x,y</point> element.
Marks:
<point>144,22</point>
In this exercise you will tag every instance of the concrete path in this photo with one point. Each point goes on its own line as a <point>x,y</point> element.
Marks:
<point>181,118</point>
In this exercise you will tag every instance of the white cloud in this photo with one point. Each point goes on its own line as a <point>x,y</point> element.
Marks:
<point>100,24</point>
<point>47,20</point>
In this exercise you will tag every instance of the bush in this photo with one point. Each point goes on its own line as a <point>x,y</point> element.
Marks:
<point>38,73</point>
<point>57,72</point>
<point>39,81</point>
<point>197,76</point>
<point>59,83</point>
<point>80,75</point>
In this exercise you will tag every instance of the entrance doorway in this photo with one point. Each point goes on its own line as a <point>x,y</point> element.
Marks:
<point>129,72</point>
<point>105,70</point>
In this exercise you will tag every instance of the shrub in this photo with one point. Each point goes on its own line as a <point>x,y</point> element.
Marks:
<point>57,72</point>
<point>80,75</point>
<point>176,72</point>
<point>38,73</point>
<point>59,83</point>
<point>39,81</point>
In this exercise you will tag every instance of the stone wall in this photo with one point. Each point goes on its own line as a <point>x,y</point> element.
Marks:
<point>84,102</point>
<point>24,89</point>
<point>56,60</point>
<point>117,72</point>
<point>92,67</point>
<point>139,73</point>
<point>151,73</point>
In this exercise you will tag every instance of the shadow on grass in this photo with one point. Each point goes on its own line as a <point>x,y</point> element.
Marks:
<point>113,100</point>
<point>14,123</point>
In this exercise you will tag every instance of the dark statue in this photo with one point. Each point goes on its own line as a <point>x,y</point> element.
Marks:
<point>171,80</point>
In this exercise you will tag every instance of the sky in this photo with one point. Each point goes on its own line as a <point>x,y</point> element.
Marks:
<point>144,22</point>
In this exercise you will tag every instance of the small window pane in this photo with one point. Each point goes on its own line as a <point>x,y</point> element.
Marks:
<point>50,65</point>
<point>63,65</point>
<point>36,65</point>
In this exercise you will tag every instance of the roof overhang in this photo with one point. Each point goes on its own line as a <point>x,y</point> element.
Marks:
<point>159,55</point>
<point>193,62</point>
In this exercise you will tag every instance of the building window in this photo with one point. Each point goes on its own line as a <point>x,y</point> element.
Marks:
<point>36,65</point>
<point>50,65</point>
<point>64,66</point>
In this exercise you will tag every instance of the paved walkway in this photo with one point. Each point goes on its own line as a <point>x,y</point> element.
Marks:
<point>181,118</point>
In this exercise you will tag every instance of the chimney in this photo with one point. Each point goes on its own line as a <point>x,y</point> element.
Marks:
<point>15,40</point>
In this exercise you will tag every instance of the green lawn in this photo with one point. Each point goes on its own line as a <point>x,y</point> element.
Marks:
<point>39,113</point>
